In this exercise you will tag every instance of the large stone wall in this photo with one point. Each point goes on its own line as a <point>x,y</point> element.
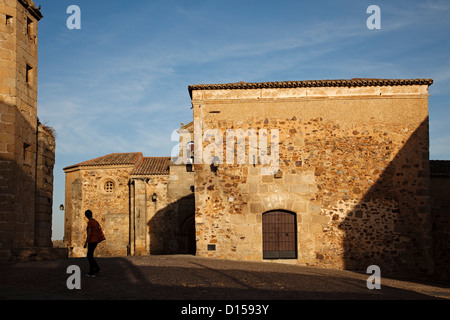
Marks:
<point>45,163</point>
<point>85,189</point>
<point>153,222</point>
<point>353,168</point>
<point>18,123</point>
<point>164,224</point>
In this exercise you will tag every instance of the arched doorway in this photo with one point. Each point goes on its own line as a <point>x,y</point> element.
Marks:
<point>279,230</point>
<point>191,244</point>
<point>186,216</point>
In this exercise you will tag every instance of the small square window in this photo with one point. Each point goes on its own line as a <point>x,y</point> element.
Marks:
<point>27,154</point>
<point>9,20</point>
<point>29,26</point>
<point>29,75</point>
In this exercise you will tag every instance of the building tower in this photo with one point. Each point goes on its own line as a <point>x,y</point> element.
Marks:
<point>23,223</point>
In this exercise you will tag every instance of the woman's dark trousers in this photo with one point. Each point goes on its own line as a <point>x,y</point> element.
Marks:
<point>93,267</point>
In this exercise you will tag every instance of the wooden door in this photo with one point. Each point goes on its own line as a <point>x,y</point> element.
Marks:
<point>279,235</point>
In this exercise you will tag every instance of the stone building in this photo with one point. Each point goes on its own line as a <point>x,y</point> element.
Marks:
<point>352,186</point>
<point>27,148</point>
<point>332,173</point>
<point>145,204</point>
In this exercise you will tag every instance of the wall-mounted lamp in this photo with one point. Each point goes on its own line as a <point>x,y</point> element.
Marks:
<point>278,175</point>
<point>189,165</point>
<point>61,207</point>
<point>154,197</point>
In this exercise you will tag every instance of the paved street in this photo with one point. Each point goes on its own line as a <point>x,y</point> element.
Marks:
<point>186,277</point>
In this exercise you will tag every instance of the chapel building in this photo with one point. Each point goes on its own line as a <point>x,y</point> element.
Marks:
<point>144,204</point>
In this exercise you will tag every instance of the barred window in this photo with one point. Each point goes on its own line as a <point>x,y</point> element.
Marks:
<point>109,186</point>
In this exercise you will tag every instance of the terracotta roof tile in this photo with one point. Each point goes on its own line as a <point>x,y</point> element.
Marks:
<point>355,82</point>
<point>110,160</point>
<point>152,166</point>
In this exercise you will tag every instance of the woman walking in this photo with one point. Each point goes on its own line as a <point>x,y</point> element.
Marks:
<point>94,237</point>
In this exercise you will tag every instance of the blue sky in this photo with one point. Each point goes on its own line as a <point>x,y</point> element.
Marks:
<point>119,84</point>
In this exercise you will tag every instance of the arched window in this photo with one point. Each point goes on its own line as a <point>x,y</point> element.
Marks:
<point>279,235</point>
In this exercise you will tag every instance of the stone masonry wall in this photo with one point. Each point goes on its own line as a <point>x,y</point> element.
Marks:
<point>44,187</point>
<point>18,125</point>
<point>110,209</point>
<point>73,201</point>
<point>159,224</point>
<point>353,168</point>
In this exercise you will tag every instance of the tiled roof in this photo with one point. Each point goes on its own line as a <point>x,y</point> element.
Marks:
<point>111,159</point>
<point>152,166</point>
<point>440,168</point>
<point>356,82</point>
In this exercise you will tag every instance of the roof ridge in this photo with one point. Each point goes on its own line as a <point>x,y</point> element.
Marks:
<point>156,157</point>
<point>97,161</point>
<point>354,82</point>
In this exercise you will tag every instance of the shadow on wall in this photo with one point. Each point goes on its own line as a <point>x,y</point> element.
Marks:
<point>16,214</point>
<point>172,229</point>
<point>391,225</point>
<point>440,186</point>
<point>17,180</point>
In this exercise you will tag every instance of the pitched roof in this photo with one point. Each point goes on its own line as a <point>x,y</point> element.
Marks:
<point>355,82</point>
<point>111,160</point>
<point>440,168</point>
<point>152,166</point>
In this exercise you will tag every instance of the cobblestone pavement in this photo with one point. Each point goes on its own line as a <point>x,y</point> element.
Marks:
<point>184,277</point>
